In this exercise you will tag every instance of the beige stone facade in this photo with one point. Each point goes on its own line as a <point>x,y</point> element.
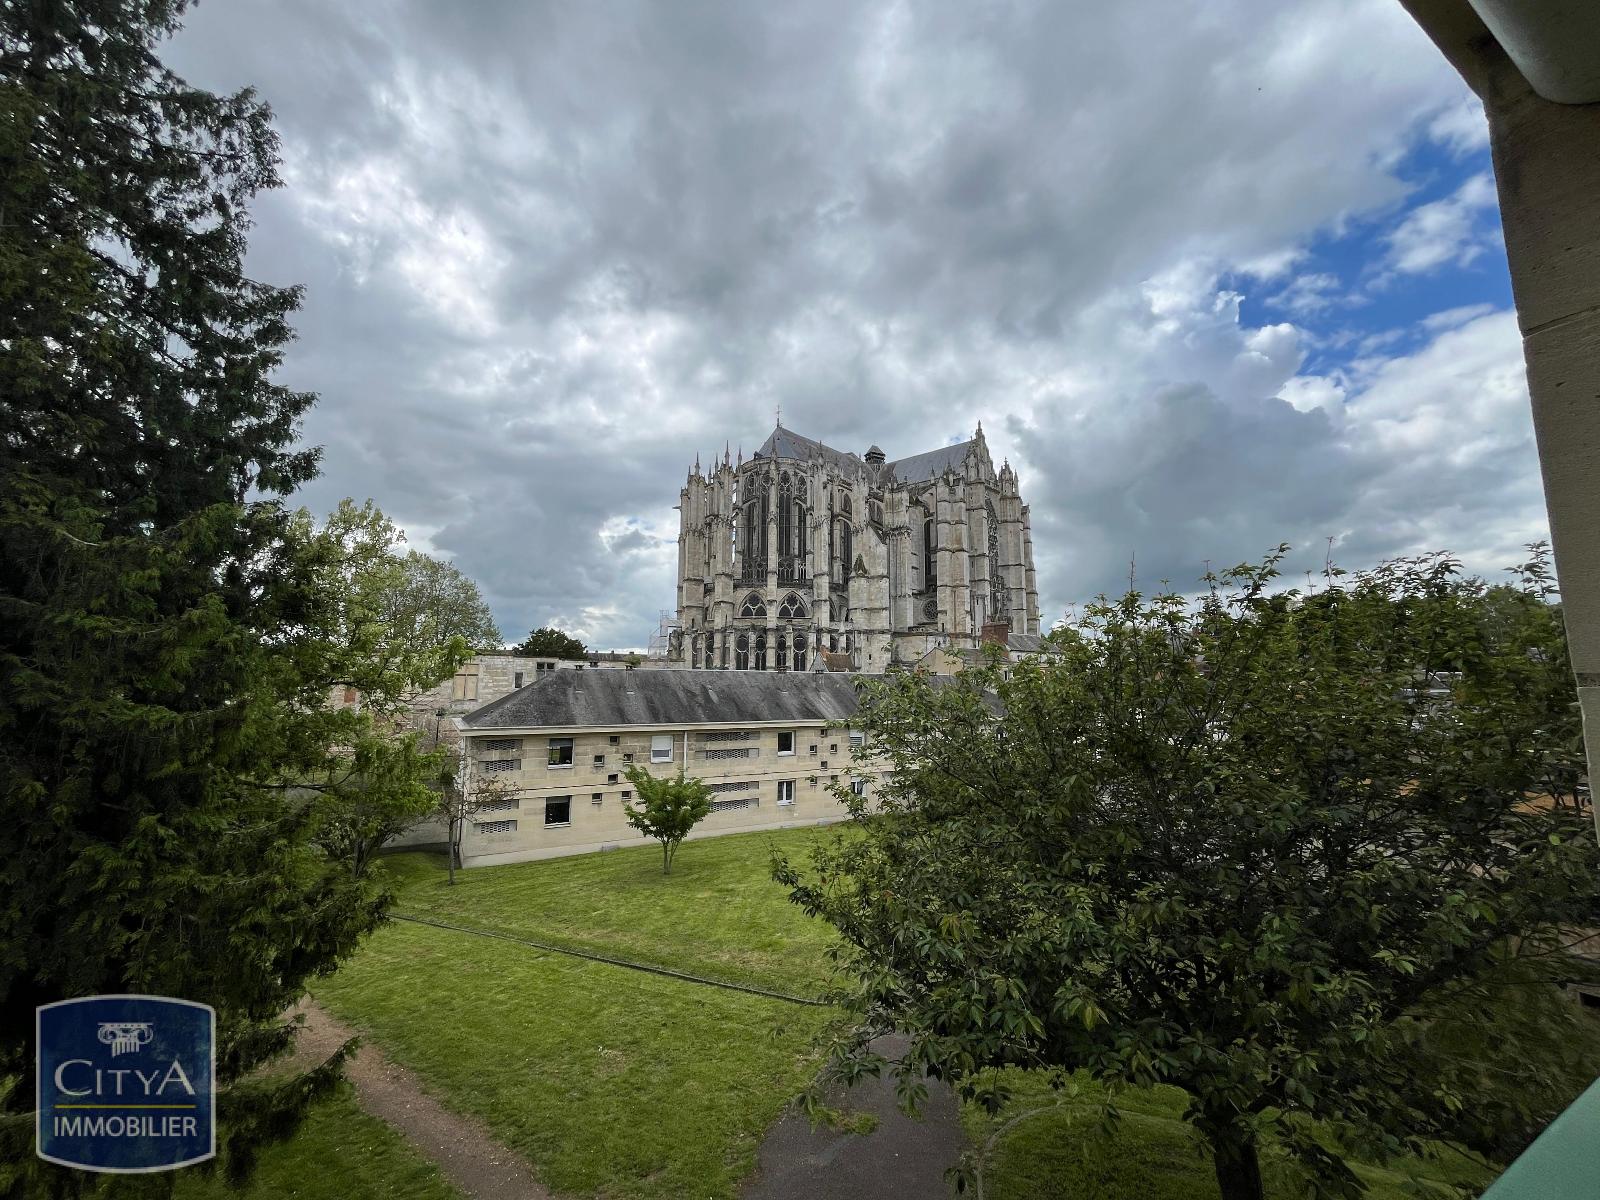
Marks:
<point>805,547</point>
<point>770,764</point>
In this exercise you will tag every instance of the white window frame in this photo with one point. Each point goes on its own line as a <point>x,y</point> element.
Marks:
<point>786,786</point>
<point>554,747</point>
<point>548,823</point>
<point>786,733</point>
<point>658,752</point>
<point>858,786</point>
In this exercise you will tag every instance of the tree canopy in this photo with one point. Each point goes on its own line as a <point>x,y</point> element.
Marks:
<point>549,642</point>
<point>437,602</point>
<point>169,629</point>
<point>398,613</point>
<point>1256,847</point>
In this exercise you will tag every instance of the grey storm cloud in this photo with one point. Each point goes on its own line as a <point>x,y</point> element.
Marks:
<point>552,252</point>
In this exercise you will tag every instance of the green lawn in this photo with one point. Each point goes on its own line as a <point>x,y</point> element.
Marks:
<point>339,1153</point>
<point>611,1081</point>
<point>743,929</point>
<point>1059,1148</point>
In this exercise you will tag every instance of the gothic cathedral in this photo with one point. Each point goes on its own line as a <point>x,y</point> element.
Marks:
<point>805,548</point>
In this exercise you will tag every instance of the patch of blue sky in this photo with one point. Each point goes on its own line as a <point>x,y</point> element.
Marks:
<point>1384,282</point>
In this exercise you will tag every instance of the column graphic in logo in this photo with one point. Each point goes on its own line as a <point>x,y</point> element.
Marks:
<point>126,1083</point>
<point>125,1037</point>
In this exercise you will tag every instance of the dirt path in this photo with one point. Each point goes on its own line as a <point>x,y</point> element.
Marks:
<point>468,1155</point>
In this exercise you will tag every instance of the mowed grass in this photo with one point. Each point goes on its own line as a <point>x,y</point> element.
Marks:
<point>718,914</point>
<point>613,1082</point>
<point>339,1153</point>
<point>1059,1147</point>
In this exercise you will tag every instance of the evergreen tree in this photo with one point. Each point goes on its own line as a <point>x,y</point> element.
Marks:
<point>167,632</point>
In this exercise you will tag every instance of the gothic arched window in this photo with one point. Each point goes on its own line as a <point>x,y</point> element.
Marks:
<point>694,651</point>
<point>753,606</point>
<point>741,653</point>
<point>930,554</point>
<point>761,652</point>
<point>785,513</point>
<point>799,652</point>
<point>792,607</point>
<point>711,652</point>
<point>753,542</point>
<point>781,662</point>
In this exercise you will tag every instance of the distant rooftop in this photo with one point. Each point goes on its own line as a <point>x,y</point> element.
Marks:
<point>564,699</point>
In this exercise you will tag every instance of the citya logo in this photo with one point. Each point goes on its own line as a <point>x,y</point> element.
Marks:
<point>153,1111</point>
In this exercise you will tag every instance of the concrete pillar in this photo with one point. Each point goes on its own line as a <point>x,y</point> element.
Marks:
<point>1547,170</point>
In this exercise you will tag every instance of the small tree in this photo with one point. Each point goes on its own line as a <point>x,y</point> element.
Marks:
<point>668,809</point>
<point>457,800</point>
<point>550,643</point>
<point>1261,848</point>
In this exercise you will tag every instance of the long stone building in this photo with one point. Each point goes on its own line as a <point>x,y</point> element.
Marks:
<point>770,747</point>
<point>805,548</point>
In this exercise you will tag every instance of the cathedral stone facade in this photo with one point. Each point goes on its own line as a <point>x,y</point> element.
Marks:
<point>805,548</point>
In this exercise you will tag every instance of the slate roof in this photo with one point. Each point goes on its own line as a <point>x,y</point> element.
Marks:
<point>933,463</point>
<point>786,443</point>
<point>611,698</point>
<point>1025,643</point>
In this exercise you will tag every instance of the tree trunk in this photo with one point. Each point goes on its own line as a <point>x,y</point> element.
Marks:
<point>666,859</point>
<point>1238,1167</point>
<point>450,851</point>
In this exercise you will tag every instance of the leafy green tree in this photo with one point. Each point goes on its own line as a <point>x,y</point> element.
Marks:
<point>437,602</point>
<point>168,629</point>
<point>1258,847</point>
<point>384,623</point>
<point>668,809</point>
<point>376,638</point>
<point>551,643</point>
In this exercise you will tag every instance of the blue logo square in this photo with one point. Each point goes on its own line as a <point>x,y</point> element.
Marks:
<point>127,1083</point>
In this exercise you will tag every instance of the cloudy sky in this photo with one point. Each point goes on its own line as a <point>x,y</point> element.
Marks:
<point>1213,276</point>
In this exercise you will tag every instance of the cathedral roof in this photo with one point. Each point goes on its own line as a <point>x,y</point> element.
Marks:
<point>786,443</point>
<point>931,464</point>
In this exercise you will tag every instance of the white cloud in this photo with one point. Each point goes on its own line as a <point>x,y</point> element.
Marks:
<point>1447,231</point>
<point>1462,128</point>
<point>1307,295</point>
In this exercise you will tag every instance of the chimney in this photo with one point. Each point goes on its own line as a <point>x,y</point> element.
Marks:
<point>996,633</point>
